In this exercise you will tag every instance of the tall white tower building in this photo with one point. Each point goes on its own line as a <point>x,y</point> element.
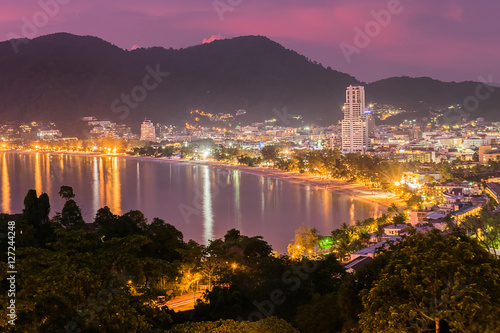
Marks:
<point>148,131</point>
<point>354,125</point>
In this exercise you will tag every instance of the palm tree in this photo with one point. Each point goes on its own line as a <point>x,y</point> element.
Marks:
<point>393,209</point>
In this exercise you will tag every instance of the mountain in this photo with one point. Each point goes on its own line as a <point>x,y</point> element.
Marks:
<point>63,77</point>
<point>423,93</point>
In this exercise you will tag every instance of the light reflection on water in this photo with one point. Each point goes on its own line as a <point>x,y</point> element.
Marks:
<point>217,199</point>
<point>208,214</point>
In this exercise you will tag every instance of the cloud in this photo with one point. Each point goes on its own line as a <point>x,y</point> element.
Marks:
<point>455,13</point>
<point>211,39</point>
<point>134,47</point>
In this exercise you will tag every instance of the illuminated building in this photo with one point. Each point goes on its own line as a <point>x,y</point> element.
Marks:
<point>354,125</point>
<point>148,131</point>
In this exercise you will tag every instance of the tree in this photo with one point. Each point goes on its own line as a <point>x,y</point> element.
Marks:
<point>66,192</point>
<point>270,324</point>
<point>305,241</point>
<point>415,202</point>
<point>104,217</point>
<point>166,241</point>
<point>270,153</point>
<point>71,215</point>
<point>433,281</point>
<point>485,228</point>
<point>444,169</point>
<point>35,226</point>
<point>256,247</point>
<point>393,209</point>
<point>323,314</point>
<point>30,206</point>
<point>36,209</point>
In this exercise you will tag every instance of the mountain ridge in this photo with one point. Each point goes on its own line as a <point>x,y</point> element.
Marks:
<point>63,77</point>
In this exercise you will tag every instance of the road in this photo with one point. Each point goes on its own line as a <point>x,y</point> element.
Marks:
<point>183,303</point>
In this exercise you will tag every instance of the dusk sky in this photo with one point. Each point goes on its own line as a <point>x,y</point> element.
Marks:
<point>450,40</point>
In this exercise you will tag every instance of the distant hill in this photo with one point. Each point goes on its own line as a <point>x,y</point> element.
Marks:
<point>420,94</point>
<point>63,77</point>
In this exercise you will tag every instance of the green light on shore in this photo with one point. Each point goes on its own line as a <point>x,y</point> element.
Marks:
<point>326,243</point>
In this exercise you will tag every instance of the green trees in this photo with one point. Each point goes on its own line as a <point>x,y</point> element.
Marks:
<point>71,215</point>
<point>250,283</point>
<point>431,281</point>
<point>485,228</point>
<point>444,169</point>
<point>228,154</point>
<point>305,242</point>
<point>76,280</point>
<point>415,202</point>
<point>66,192</point>
<point>34,227</point>
<point>366,169</point>
<point>323,314</point>
<point>270,153</point>
<point>271,324</point>
<point>107,280</point>
<point>36,209</point>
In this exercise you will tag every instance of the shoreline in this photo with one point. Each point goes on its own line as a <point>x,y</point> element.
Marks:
<point>356,191</point>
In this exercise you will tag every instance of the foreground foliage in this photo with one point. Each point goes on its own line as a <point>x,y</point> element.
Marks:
<point>79,280</point>
<point>432,281</point>
<point>271,324</point>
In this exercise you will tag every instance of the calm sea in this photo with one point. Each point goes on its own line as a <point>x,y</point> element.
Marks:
<point>201,201</point>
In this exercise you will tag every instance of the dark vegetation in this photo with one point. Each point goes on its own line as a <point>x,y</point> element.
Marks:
<point>107,280</point>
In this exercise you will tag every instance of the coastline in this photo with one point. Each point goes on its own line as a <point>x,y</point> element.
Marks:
<point>356,191</point>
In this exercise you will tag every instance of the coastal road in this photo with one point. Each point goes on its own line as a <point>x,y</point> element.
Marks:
<point>183,303</point>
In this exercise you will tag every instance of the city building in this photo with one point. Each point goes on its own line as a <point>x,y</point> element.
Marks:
<point>354,126</point>
<point>333,142</point>
<point>370,123</point>
<point>148,131</point>
<point>488,153</point>
<point>49,135</point>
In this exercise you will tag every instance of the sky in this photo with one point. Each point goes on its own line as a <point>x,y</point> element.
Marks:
<point>449,40</point>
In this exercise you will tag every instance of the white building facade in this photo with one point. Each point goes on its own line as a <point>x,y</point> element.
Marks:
<point>148,131</point>
<point>354,124</point>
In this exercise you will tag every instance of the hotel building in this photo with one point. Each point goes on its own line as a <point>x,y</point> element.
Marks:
<point>354,124</point>
<point>148,131</point>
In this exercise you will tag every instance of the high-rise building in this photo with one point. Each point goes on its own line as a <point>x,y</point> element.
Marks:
<point>370,123</point>
<point>148,131</point>
<point>354,125</point>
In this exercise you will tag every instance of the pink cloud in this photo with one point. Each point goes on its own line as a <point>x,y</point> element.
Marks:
<point>211,39</point>
<point>443,39</point>
<point>455,13</point>
<point>134,47</point>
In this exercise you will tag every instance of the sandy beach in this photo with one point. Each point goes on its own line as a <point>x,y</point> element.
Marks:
<point>357,191</point>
